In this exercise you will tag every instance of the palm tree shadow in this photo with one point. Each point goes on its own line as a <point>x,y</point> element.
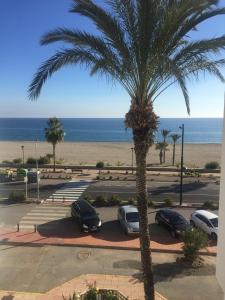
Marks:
<point>161,235</point>
<point>175,188</point>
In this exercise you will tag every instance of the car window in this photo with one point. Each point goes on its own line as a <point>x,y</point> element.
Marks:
<point>214,222</point>
<point>132,217</point>
<point>177,219</point>
<point>205,220</point>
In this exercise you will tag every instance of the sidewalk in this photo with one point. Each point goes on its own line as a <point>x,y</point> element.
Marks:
<point>127,285</point>
<point>158,244</point>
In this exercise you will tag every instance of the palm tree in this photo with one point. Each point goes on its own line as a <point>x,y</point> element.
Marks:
<point>54,134</point>
<point>164,133</point>
<point>175,138</point>
<point>161,146</point>
<point>145,46</point>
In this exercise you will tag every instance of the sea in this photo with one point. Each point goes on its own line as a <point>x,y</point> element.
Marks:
<point>196,130</point>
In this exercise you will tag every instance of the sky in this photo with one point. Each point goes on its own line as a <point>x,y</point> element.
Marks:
<point>71,92</point>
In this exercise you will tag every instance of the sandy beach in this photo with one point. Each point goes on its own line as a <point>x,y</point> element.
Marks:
<point>195,155</point>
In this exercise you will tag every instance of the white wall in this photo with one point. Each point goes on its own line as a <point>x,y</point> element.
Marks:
<point>220,268</point>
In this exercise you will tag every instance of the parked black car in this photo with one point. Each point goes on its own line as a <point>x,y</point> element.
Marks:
<point>86,215</point>
<point>173,221</point>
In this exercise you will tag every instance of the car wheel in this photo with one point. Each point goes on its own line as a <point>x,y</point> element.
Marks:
<point>213,236</point>
<point>192,223</point>
<point>173,234</point>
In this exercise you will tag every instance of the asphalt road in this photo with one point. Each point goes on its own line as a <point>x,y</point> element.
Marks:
<point>193,192</point>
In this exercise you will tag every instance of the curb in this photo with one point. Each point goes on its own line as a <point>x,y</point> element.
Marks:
<point>154,250</point>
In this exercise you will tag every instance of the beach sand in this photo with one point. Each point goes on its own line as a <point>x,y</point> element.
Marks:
<point>195,155</point>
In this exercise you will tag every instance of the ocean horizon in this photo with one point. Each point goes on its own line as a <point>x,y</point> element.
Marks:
<point>197,130</point>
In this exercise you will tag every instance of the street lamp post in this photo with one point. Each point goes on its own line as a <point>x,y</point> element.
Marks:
<point>132,159</point>
<point>38,196</point>
<point>181,165</point>
<point>22,147</point>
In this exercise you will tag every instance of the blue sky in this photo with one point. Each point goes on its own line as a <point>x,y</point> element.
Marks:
<point>71,92</point>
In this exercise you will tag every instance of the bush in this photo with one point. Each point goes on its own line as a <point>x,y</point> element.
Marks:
<point>17,161</point>
<point>212,165</point>
<point>110,177</point>
<point>73,297</point>
<point>168,201</point>
<point>20,197</point>
<point>100,165</point>
<point>114,200</point>
<point>43,160</point>
<point>100,201</point>
<point>132,201</point>
<point>150,203</point>
<point>31,161</point>
<point>208,205</point>
<point>97,177</point>
<point>87,197</point>
<point>194,239</point>
<point>6,162</point>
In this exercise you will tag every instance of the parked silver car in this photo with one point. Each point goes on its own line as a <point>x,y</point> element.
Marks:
<point>128,217</point>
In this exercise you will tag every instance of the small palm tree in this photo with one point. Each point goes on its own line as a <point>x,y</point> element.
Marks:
<point>175,138</point>
<point>54,134</point>
<point>145,46</point>
<point>161,146</point>
<point>165,134</point>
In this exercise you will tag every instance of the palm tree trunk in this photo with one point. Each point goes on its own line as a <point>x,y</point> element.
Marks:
<point>164,151</point>
<point>141,150</point>
<point>173,153</point>
<point>160,157</point>
<point>53,157</point>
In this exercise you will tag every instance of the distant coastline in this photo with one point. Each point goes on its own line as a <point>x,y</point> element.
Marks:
<point>197,130</point>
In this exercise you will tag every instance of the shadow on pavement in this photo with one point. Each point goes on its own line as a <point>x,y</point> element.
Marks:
<point>68,228</point>
<point>169,271</point>
<point>175,188</point>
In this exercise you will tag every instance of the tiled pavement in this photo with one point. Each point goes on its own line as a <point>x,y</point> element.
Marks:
<point>98,240</point>
<point>127,285</point>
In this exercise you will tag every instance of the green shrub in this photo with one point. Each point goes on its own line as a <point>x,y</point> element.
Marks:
<point>150,203</point>
<point>43,160</point>
<point>31,161</point>
<point>114,200</point>
<point>100,165</point>
<point>132,201</point>
<point>73,297</point>
<point>20,197</point>
<point>97,177</point>
<point>110,177</point>
<point>17,161</point>
<point>212,165</point>
<point>194,239</point>
<point>168,202</point>
<point>87,197</point>
<point>208,205</point>
<point>6,162</point>
<point>100,201</point>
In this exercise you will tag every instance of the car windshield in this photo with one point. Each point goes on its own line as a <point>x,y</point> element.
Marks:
<point>214,222</point>
<point>89,215</point>
<point>132,217</point>
<point>178,220</point>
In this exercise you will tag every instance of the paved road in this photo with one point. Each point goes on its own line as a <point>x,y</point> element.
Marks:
<point>195,192</point>
<point>39,269</point>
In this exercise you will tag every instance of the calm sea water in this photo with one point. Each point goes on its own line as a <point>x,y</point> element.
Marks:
<point>108,130</point>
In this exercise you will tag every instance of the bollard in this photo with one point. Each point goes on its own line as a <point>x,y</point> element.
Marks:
<point>35,228</point>
<point>18,227</point>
